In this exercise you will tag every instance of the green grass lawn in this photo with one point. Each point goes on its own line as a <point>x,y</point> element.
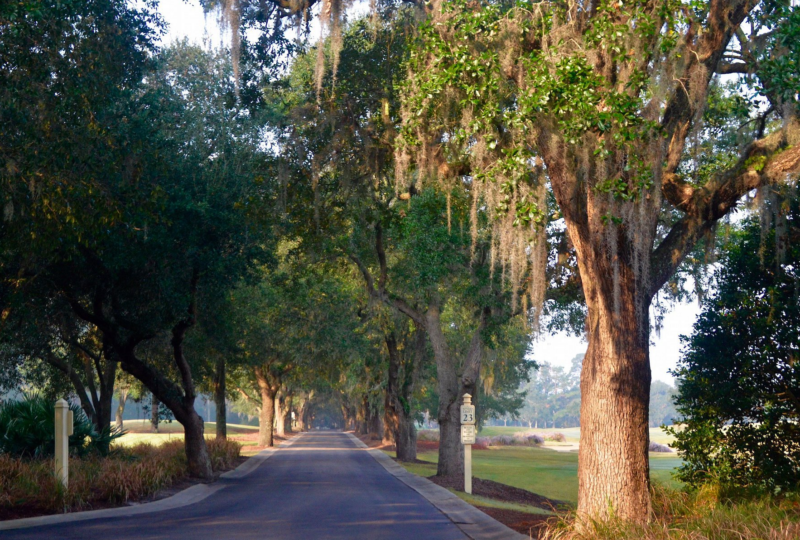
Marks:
<point>139,431</point>
<point>572,434</point>
<point>542,471</point>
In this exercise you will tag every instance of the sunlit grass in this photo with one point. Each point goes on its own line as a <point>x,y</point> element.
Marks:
<point>539,470</point>
<point>140,432</point>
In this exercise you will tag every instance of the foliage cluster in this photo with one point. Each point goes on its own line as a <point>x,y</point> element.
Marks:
<point>739,376</point>
<point>27,430</point>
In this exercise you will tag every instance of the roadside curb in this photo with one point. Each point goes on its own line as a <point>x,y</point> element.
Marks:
<point>183,498</point>
<point>472,522</point>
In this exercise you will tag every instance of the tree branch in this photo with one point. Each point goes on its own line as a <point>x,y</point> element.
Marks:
<point>734,67</point>
<point>688,97</point>
<point>766,161</point>
<point>178,335</point>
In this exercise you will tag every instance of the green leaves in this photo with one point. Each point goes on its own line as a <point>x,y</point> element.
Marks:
<point>739,373</point>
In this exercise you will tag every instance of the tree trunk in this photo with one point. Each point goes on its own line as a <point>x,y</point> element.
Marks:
<point>154,403</point>
<point>195,444</point>
<point>302,413</point>
<point>362,416</point>
<point>451,390</point>
<point>280,415</point>
<point>123,397</point>
<point>219,400</point>
<point>178,398</point>
<point>613,469</point>
<point>392,408</point>
<point>451,452</point>
<point>288,416</point>
<point>398,424</point>
<point>266,420</point>
<point>374,425</point>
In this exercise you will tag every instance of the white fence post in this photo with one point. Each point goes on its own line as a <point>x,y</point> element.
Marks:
<point>64,428</point>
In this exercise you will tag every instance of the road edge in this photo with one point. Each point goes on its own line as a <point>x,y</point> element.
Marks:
<point>188,496</point>
<point>471,521</point>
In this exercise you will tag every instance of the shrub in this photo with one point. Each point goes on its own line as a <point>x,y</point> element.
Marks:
<point>555,437</point>
<point>224,454</point>
<point>656,447</point>
<point>483,441</point>
<point>739,378</point>
<point>27,429</point>
<point>428,435</point>
<point>520,438</point>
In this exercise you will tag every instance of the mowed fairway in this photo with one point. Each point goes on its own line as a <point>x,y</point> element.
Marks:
<point>542,471</point>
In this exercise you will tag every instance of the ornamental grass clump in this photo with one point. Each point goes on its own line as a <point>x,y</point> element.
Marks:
<point>693,515</point>
<point>428,435</point>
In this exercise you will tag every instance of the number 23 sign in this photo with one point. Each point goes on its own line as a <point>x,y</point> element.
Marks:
<point>468,414</point>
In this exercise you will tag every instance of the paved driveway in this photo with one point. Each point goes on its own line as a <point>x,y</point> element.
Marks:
<point>320,487</point>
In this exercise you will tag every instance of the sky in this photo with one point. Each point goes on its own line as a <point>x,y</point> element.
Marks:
<point>186,19</point>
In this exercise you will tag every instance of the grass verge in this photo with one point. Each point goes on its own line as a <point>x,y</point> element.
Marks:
<point>551,474</point>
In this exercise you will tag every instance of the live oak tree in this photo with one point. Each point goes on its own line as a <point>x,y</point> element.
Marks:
<point>154,225</point>
<point>66,68</point>
<point>596,103</point>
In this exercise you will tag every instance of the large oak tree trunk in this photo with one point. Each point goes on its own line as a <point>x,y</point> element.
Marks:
<point>179,398</point>
<point>614,471</point>
<point>374,423</point>
<point>392,409</point>
<point>302,414</point>
<point>614,263</point>
<point>219,400</point>
<point>452,389</point>
<point>195,444</point>
<point>266,419</point>
<point>451,453</point>
<point>288,417</point>
<point>361,416</point>
<point>398,423</point>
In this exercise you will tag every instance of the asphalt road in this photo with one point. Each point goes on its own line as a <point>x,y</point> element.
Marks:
<point>320,487</point>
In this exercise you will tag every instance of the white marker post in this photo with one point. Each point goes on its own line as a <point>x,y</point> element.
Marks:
<point>64,427</point>
<point>468,439</point>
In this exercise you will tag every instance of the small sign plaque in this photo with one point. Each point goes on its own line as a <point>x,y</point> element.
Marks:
<point>468,414</point>
<point>467,434</point>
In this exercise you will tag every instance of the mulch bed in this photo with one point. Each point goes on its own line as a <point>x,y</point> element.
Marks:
<point>522,522</point>
<point>499,492</point>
